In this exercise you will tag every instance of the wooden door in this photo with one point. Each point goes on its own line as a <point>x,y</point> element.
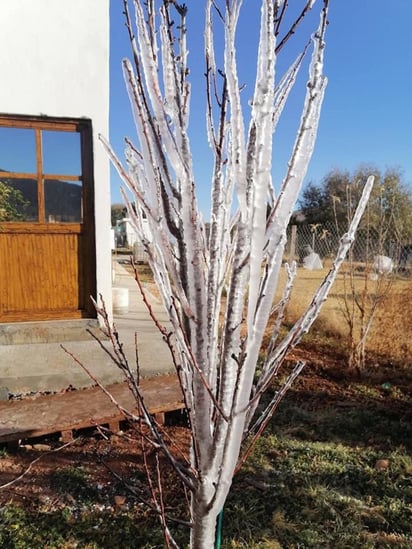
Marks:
<point>47,250</point>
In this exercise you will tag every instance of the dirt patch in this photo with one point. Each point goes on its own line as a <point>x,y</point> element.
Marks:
<point>96,465</point>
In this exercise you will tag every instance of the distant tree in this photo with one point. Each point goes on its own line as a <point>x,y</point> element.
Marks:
<point>385,230</point>
<point>334,200</point>
<point>118,211</point>
<point>325,202</point>
<point>390,208</point>
<point>12,203</point>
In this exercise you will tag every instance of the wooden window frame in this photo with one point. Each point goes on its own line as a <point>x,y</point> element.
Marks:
<point>38,124</point>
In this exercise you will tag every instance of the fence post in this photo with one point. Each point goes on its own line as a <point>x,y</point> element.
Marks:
<point>292,244</point>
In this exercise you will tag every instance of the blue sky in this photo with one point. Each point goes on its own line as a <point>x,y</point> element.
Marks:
<point>367,112</point>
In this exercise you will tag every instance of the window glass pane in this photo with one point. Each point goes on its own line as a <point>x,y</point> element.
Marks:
<point>61,153</point>
<point>17,150</point>
<point>18,200</point>
<point>63,201</point>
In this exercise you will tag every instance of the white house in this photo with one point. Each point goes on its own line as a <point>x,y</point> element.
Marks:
<point>125,233</point>
<point>55,241</point>
<point>54,101</point>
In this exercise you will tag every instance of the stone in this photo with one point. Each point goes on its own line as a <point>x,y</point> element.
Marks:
<point>382,464</point>
<point>119,501</point>
<point>42,447</point>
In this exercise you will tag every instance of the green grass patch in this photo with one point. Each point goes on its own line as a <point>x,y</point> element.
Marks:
<point>74,481</point>
<point>299,493</point>
<point>291,493</point>
<point>85,529</point>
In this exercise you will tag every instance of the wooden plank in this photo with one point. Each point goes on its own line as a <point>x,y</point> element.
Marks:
<point>22,175</point>
<point>59,124</point>
<point>65,412</point>
<point>41,273</point>
<point>114,425</point>
<point>40,185</point>
<point>67,435</point>
<point>15,227</point>
<point>160,418</point>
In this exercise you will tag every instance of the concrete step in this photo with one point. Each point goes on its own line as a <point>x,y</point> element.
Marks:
<point>56,331</point>
<point>32,360</point>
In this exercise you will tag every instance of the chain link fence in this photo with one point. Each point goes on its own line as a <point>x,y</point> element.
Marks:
<point>323,240</point>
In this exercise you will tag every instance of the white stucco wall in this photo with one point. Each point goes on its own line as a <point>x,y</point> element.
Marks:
<point>54,61</point>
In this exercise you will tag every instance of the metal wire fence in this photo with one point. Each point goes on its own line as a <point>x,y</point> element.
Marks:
<point>322,241</point>
<point>370,243</point>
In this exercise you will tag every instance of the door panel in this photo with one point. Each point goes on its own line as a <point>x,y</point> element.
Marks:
<point>42,276</point>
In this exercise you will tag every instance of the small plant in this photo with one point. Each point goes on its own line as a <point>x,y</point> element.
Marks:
<point>363,297</point>
<point>74,481</point>
<point>368,280</point>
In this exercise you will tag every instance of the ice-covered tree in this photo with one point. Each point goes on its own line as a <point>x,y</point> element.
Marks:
<point>218,286</point>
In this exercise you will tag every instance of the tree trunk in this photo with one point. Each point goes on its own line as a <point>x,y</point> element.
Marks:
<point>203,532</point>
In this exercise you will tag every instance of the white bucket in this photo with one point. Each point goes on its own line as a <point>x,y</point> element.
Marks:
<point>120,300</point>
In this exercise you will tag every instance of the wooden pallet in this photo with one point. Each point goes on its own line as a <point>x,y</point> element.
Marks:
<point>66,412</point>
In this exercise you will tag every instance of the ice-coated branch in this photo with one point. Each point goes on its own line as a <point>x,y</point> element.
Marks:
<point>281,211</point>
<point>259,160</point>
<point>280,309</point>
<point>304,323</point>
<point>256,430</point>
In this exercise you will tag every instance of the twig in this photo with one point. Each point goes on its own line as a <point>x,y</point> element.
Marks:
<point>140,498</point>
<point>35,461</point>
<point>166,532</point>
<point>294,25</point>
<point>268,413</point>
<point>149,420</point>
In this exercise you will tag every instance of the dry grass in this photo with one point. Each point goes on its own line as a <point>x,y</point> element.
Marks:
<point>390,336</point>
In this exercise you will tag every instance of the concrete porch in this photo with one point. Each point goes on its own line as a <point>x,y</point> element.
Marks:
<point>32,360</point>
